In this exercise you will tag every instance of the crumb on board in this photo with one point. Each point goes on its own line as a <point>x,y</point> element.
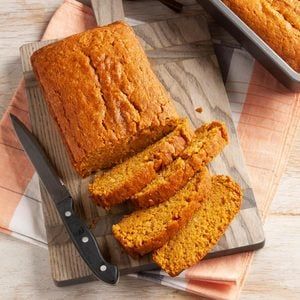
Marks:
<point>199,109</point>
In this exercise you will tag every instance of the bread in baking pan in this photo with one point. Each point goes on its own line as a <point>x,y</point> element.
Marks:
<point>208,142</point>
<point>276,22</point>
<point>124,180</point>
<point>102,93</point>
<point>204,230</point>
<point>148,229</point>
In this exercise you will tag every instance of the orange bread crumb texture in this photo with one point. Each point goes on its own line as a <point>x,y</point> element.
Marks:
<point>277,22</point>
<point>129,177</point>
<point>146,230</point>
<point>208,142</point>
<point>204,230</point>
<point>102,93</point>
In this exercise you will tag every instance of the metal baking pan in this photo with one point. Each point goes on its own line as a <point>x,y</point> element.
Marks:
<point>253,43</point>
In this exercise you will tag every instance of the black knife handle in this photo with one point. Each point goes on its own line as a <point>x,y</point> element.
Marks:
<point>86,244</point>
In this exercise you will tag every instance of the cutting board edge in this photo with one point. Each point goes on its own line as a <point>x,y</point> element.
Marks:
<point>239,250</point>
<point>255,246</point>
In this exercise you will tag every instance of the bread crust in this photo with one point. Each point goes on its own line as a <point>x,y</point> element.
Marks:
<point>276,22</point>
<point>208,142</point>
<point>205,228</point>
<point>148,229</point>
<point>129,177</point>
<point>101,91</point>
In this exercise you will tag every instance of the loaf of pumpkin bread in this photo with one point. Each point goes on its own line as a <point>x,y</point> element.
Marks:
<point>102,93</point>
<point>208,142</point>
<point>148,229</point>
<point>277,22</point>
<point>129,177</point>
<point>204,230</point>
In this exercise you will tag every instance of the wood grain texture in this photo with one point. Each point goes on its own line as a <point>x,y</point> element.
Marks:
<point>107,11</point>
<point>181,53</point>
<point>33,280</point>
<point>146,11</point>
<point>18,15</point>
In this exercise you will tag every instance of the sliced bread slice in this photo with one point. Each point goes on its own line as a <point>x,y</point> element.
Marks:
<point>204,230</point>
<point>148,229</point>
<point>129,177</point>
<point>208,142</point>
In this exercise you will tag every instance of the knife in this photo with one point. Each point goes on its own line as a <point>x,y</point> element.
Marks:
<point>79,233</point>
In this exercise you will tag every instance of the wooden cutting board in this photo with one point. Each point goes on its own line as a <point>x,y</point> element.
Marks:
<point>182,56</point>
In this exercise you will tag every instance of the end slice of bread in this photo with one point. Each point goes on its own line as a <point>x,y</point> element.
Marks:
<point>204,230</point>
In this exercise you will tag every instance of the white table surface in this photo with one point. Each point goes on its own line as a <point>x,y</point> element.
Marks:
<point>24,268</point>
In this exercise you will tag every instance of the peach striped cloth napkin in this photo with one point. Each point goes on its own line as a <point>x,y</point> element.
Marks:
<point>266,116</point>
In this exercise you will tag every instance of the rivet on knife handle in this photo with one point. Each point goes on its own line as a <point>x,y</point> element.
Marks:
<point>86,244</point>
<point>81,236</point>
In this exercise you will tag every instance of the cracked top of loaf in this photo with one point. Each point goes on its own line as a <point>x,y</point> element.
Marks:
<point>104,96</point>
<point>277,22</point>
